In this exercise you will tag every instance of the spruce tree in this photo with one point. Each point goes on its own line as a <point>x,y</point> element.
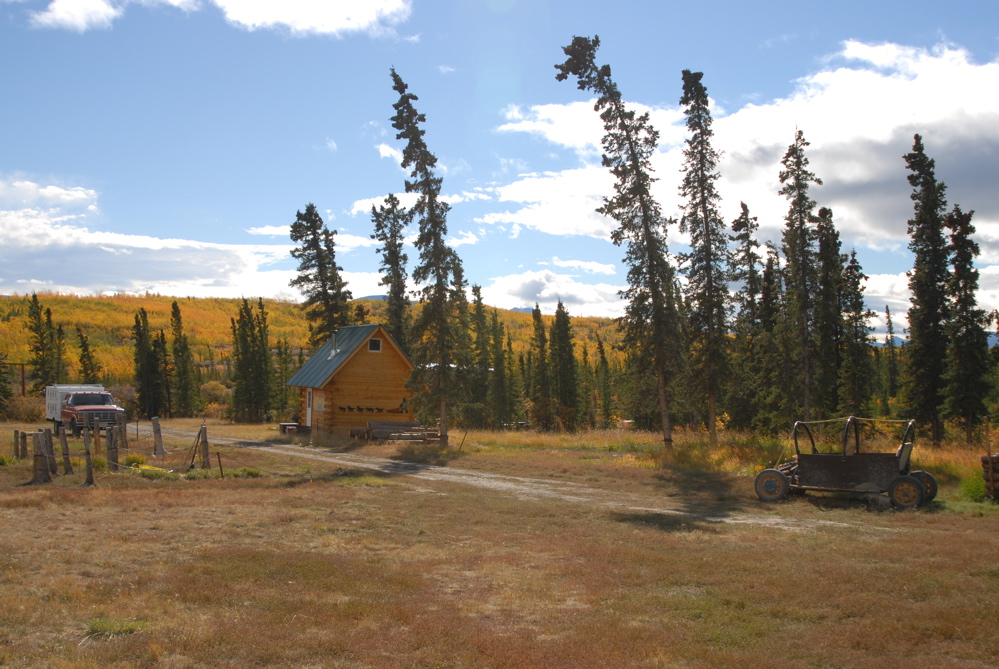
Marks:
<point>926,350</point>
<point>829,314</point>
<point>562,366</point>
<point>149,380</point>
<point>184,386</point>
<point>6,390</point>
<point>43,346</point>
<point>707,278</point>
<point>478,380</point>
<point>799,251</point>
<point>604,386</point>
<point>390,221</point>
<point>326,295</point>
<point>499,389</point>
<point>439,339</point>
<point>539,377</point>
<point>90,369</point>
<point>773,379</point>
<point>856,373</point>
<point>745,271</point>
<point>651,323</point>
<point>968,358</point>
<point>252,372</point>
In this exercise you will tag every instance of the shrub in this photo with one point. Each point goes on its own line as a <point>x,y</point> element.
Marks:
<point>26,409</point>
<point>6,460</point>
<point>99,464</point>
<point>133,459</point>
<point>973,488</point>
<point>247,473</point>
<point>110,626</point>
<point>199,474</point>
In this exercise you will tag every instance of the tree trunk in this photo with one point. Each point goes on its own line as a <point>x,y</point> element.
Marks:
<point>443,427</point>
<point>664,410</point>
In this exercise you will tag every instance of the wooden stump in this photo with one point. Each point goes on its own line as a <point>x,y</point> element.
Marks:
<point>112,449</point>
<point>41,471</point>
<point>24,445</point>
<point>67,466</point>
<point>50,451</point>
<point>90,460</point>
<point>157,437</point>
<point>205,461</point>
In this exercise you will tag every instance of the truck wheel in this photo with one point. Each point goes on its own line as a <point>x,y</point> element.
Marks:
<point>771,485</point>
<point>906,492</point>
<point>74,429</point>
<point>929,482</point>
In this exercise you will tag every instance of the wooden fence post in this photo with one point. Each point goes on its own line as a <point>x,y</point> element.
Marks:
<point>205,463</point>
<point>157,437</point>
<point>112,449</point>
<point>17,443</point>
<point>24,445</point>
<point>50,451</point>
<point>41,474</point>
<point>86,454</point>
<point>67,466</point>
<point>97,440</point>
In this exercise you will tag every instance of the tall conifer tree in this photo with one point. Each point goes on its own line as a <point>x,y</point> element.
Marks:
<point>539,383</point>
<point>707,278</point>
<point>390,221</point>
<point>968,359</point>
<point>926,350</point>
<point>184,386</point>
<point>326,295</point>
<point>564,378</point>
<point>829,314</point>
<point>856,373</point>
<point>439,338</point>
<point>799,251</point>
<point>651,323</point>
<point>90,369</point>
<point>745,270</point>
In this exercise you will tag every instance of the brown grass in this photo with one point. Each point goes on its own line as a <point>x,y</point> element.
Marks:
<point>315,566</point>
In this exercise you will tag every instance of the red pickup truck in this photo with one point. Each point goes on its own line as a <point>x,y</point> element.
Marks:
<point>96,409</point>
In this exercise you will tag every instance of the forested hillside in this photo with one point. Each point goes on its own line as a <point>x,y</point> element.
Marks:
<point>108,320</point>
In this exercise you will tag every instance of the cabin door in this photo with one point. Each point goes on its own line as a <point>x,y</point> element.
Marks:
<point>308,407</point>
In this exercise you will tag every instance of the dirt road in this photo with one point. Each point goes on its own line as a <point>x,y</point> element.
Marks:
<point>517,486</point>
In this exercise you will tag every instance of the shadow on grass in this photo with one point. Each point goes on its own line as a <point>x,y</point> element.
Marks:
<point>666,522</point>
<point>702,493</point>
<point>427,454</point>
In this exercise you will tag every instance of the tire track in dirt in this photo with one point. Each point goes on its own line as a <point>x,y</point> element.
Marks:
<point>518,486</point>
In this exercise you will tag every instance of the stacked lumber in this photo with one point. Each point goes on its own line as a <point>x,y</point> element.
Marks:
<point>990,470</point>
<point>386,430</point>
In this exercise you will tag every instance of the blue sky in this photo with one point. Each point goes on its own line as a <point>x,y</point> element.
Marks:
<point>165,145</point>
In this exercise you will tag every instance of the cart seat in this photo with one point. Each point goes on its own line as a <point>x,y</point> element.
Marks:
<point>903,454</point>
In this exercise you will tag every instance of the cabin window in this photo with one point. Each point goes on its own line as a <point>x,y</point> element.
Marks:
<point>375,345</point>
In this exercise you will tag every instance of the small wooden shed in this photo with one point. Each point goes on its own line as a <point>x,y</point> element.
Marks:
<point>357,376</point>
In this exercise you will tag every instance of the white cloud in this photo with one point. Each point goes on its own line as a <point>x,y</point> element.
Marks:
<point>446,69</point>
<point>546,288</point>
<point>300,17</point>
<point>585,265</point>
<point>273,230</point>
<point>466,237</point>
<point>78,15</point>
<point>386,151</point>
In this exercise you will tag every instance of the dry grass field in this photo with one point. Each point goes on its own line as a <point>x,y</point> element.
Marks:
<point>640,560</point>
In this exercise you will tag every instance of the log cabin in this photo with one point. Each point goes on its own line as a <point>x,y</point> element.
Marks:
<point>357,376</point>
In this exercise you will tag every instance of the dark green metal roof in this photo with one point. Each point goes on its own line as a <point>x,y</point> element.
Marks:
<point>327,360</point>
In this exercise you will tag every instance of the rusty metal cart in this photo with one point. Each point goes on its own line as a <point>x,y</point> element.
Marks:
<point>850,470</point>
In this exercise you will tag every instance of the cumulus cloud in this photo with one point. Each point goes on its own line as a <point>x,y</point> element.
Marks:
<point>546,288</point>
<point>466,237</point>
<point>299,17</point>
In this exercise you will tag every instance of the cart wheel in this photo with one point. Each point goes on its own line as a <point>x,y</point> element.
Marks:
<point>929,485</point>
<point>906,492</point>
<point>771,485</point>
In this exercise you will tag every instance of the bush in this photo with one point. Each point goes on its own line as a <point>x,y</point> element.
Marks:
<point>133,460</point>
<point>199,474</point>
<point>973,488</point>
<point>247,473</point>
<point>26,409</point>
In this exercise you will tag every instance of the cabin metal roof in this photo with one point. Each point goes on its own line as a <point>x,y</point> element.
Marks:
<point>327,360</point>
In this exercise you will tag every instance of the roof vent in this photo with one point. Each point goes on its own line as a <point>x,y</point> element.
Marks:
<point>333,348</point>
